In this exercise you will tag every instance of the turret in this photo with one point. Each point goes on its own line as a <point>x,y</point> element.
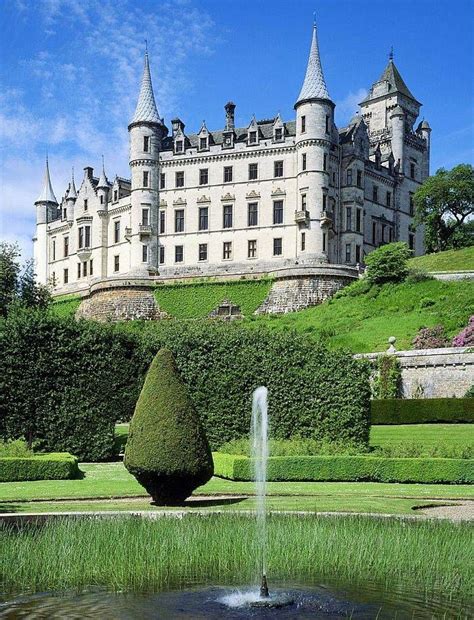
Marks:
<point>103,187</point>
<point>45,204</point>
<point>71,200</point>
<point>146,134</point>
<point>398,137</point>
<point>314,127</point>
<point>424,131</point>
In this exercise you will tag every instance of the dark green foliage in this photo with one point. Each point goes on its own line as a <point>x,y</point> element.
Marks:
<point>470,392</point>
<point>388,381</point>
<point>388,263</point>
<point>314,393</point>
<point>167,450</point>
<point>64,384</point>
<point>349,469</point>
<point>53,466</point>
<point>422,411</point>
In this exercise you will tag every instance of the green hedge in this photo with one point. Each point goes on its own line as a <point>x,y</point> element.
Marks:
<point>349,469</point>
<point>52,466</point>
<point>422,411</point>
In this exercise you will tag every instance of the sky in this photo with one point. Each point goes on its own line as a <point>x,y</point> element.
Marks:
<point>70,72</point>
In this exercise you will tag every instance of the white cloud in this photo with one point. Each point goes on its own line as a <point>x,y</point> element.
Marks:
<point>347,107</point>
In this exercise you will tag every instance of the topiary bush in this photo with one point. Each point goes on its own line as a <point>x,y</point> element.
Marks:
<point>388,263</point>
<point>466,337</point>
<point>167,450</point>
<point>430,338</point>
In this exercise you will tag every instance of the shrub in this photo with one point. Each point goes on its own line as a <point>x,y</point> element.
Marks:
<point>466,337</point>
<point>422,411</point>
<point>470,392</point>
<point>15,447</point>
<point>167,450</point>
<point>64,383</point>
<point>388,263</point>
<point>350,469</point>
<point>388,381</point>
<point>416,275</point>
<point>53,466</point>
<point>412,449</point>
<point>430,338</point>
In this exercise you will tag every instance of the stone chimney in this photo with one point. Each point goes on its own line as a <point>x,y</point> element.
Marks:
<point>229,116</point>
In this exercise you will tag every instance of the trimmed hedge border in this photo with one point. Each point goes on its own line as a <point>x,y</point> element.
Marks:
<point>422,411</point>
<point>52,466</point>
<point>349,469</point>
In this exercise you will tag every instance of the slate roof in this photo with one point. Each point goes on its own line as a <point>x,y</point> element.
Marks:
<point>392,75</point>
<point>314,85</point>
<point>146,110</point>
<point>47,195</point>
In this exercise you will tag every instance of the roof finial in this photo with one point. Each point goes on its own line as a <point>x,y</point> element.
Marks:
<point>146,46</point>
<point>314,19</point>
<point>390,56</point>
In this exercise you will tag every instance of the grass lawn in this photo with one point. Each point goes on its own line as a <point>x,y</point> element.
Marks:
<point>425,434</point>
<point>451,260</point>
<point>364,323</point>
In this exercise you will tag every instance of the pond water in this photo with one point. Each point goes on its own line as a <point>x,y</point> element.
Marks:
<point>326,601</point>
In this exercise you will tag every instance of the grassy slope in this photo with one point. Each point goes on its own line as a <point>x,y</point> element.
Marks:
<point>425,434</point>
<point>65,305</point>
<point>451,260</point>
<point>193,301</point>
<point>364,323</point>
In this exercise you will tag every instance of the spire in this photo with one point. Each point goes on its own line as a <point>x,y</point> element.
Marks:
<point>103,181</point>
<point>47,195</point>
<point>314,86</point>
<point>146,107</point>
<point>72,193</point>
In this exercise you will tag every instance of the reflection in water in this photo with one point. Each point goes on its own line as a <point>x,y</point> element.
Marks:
<point>331,600</point>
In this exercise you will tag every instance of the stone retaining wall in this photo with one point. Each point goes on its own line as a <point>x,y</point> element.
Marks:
<point>120,304</point>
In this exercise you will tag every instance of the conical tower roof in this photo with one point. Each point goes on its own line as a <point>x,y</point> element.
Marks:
<point>103,181</point>
<point>47,195</point>
<point>72,193</point>
<point>146,110</point>
<point>314,85</point>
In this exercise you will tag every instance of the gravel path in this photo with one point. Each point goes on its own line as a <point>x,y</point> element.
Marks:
<point>463,511</point>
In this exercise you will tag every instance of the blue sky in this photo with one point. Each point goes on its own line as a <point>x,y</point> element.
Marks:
<point>70,72</point>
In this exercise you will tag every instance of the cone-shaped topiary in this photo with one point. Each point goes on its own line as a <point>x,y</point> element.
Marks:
<point>167,450</point>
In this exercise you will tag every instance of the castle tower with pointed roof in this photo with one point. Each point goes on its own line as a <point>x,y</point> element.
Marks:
<point>299,200</point>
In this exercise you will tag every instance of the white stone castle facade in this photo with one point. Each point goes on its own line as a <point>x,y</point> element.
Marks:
<point>275,195</point>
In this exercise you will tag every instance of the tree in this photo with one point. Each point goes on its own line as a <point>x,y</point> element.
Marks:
<point>31,294</point>
<point>167,450</point>
<point>388,263</point>
<point>444,204</point>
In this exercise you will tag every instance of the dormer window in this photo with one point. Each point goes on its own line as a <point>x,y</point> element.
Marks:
<point>179,147</point>
<point>252,137</point>
<point>278,134</point>
<point>202,144</point>
<point>86,206</point>
<point>102,199</point>
<point>115,195</point>
<point>146,143</point>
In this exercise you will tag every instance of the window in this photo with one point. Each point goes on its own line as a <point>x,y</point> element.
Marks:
<point>87,236</point>
<point>227,250</point>
<point>325,161</point>
<point>358,254</point>
<point>146,143</point>
<point>412,170</point>
<point>303,202</point>
<point>84,269</point>
<point>303,161</point>
<point>375,193</point>
<point>252,249</point>
<point>203,176</point>
<point>162,222</point>
<point>80,242</point>
<point>203,218</point>
<point>374,233</point>
<point>102,199</point>
<point>66,246</point>
<point>146,178</point>
<point>202,144</point>
<point>278,133</point>
<point>180,179</point>
<point>325,199</point>
<point>116,263</point>
<point>348,218</point>
<point>162,180</point>
<point>91,267</point>
<point>412,204</point>
<point>78,270</point>
<point>86,204</point>
<point>303,241</point>
<point>116,231</point>
<point>179,146</point>
<point>252,219</point>
<point>66,276</point>
<point>53,249</point>
<point>303,124</point>
<point>253,172</point>
<point>145,217</point>
<point>162,254</point>
<point>178,253</point>
<point>115,195</point>
<point>349,176</point>
<point>252,137</point>
<point>227,174</point>
<point>390,234</point>
<point>359,220</point>
<point>383,233</point>
<point>144,253</point>
<point>277,246</point>
<point>179,220</point>
<point>64,213</point>
<point>388,199</point>
<point>348,253</point>
<point>278,169</point>
<point>328,118</point>
<point>411,241</point>
<point>278,211</point>
<point>227,216</point>
<point>359,178</point>
<point>203,251</point>
<point>324,241</point>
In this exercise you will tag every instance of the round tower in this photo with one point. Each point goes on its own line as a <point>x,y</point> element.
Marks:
<point>103,188</point>
<point>398,136</point>
<point>314,131</point>
<point>424,130</point>
<point>71,200</point>
<point>146,134</point>
<point>45,204</point>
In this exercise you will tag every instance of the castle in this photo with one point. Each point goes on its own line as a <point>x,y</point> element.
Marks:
<point>294,199</point>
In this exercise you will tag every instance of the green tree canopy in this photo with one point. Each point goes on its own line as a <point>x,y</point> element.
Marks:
<point>444,204</point>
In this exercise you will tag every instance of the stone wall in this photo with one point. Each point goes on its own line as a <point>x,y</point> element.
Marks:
<point>120,304</point>
<point>434,373</point>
